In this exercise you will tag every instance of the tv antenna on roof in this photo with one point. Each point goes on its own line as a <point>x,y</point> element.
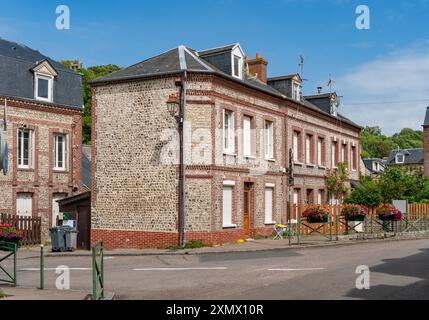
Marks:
<point>301,65</point>
<point>330,83</point>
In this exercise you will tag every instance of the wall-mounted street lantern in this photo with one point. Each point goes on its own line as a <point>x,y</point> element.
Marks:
<point>173,106</point>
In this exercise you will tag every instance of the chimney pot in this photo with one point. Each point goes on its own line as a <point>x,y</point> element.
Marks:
<point>319,90</point>
<point>258,67</point>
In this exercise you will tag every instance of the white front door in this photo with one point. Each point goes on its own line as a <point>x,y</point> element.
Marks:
<point>56,207</point>
<point>24,204</point>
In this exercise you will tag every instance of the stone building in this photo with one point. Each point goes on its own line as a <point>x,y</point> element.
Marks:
<point>239,126</point>
<point>41,123</point>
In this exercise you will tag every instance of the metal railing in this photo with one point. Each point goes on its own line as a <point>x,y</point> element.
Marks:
<point>11,249</point>
<point>98,271</point>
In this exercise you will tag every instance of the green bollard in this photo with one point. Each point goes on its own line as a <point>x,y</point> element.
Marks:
<point>15,251</point>
<point>42,268</point>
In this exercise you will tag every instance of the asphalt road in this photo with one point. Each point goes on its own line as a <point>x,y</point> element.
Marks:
<point>398,270</point>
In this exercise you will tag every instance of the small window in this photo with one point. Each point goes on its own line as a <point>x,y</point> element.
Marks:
<point>309,156</point>
<point>295,145</point>
<point>353,158</point>
<point>310,197</point>
<point>228,131</point>
<point>60,152</point>
<point>334,155</point>
<point>43,88</point>
<point>296,92</point>
<point>237,66</point>
<point>269,140</point>
<point>25,148</point>
<point>400,158</point>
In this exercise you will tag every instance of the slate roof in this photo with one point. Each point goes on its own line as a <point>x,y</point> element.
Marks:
<point>17,78</point>
<point>369,161</point>
<point>183,58</point>
<point>412,156</point>
<point>86,166</point>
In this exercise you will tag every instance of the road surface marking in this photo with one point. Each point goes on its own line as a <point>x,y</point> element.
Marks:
<point>178,269</point>
<point>53,269</point>
<point>297,269</point>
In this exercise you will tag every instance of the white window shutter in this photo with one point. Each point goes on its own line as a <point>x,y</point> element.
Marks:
<point>247,141</point>
<point>269,205</point>
<point>227,206</point>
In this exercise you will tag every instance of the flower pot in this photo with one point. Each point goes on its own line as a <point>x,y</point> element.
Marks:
<point>356,218</point>
<point>317,219</point>
<point>383,217</point>
<point>7,244</point>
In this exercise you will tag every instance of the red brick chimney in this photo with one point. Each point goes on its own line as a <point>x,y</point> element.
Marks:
<point>258,67</point>
<point>426,143</point>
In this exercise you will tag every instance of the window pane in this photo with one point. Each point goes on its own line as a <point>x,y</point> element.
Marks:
<point>295,146</point>
<point>247,141</point>
<point>236,66</point>
<point>42,88</point>
<point>26,147</point>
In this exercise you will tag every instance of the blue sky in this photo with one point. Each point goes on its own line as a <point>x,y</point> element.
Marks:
<point>382,73</point>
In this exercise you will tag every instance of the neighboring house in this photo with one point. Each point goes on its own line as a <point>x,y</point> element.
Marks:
<point>411,160</point>
<point>43,131</point>
<point>86,167</point>
<point>239,128</point>
<point>374,166</point>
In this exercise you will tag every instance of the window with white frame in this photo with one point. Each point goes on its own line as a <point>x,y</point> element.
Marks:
<point>227,205</point>
<point>269,203</point>
<point>334,154</point>
<point>353,158</point>
<point>320,151</point>
<point>24,204</point>
<point>237,66</point>
<point>400,158</point>
<point>343,153</point>
<point>309,149</point>
<point>269,140</point>
<point>247,136</point>
<point>25,148</point>
<point>296,91</point>
<point>295,146</point>
<point>60,152</point>
<point>43,88</point>
<point>228,131</point>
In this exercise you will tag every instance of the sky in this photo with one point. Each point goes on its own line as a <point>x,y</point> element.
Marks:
<point>381,73</point>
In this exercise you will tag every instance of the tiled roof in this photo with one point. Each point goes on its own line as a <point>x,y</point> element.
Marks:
<point>412,156</point>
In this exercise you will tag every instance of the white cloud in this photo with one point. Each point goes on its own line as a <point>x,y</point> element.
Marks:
<point>392,92</point>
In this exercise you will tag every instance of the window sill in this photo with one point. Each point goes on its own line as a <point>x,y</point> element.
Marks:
<point>321,167</point>
<point>25,169</point>
<point>250,157</point>
<point>229,226</point>
<point>299,164</point>
<point>270,223</point>
<point>60,171</point>
<point>229,154</point>
<point>270,159</point>
<point>310,165</point>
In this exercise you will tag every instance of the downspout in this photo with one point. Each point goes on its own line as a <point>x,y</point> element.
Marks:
<point>182,175</point>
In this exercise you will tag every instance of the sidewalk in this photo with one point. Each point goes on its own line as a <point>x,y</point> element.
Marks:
<point>248,246</point>
<point>35,294</point>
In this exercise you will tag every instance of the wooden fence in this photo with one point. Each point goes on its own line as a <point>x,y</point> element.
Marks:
<point>415,213</point>
<point>30,226</point>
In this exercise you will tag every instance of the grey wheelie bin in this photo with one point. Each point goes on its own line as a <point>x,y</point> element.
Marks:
<point>58,238</point>
<point>71,239</point>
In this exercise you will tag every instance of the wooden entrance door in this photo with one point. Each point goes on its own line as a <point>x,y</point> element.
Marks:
<point>84,227</point>
<point>246,210</point>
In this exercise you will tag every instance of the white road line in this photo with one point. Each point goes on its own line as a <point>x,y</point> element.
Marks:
<point>297,269</point>
<point>54,269</point>
<point>178,269</point>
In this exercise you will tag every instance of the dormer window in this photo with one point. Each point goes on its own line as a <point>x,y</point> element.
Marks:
<point>237,66</point>
<point>43,88</point>
<point>334,105</point>
<point>296,91</point>
<point>400,158</point>
<point>44,75</point>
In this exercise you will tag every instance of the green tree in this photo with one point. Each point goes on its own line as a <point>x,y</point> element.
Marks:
<point>368,194</point>
<point>88,75</point>
<point>408,139</point>
<point>374,144</point>
<point>336,182</point>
